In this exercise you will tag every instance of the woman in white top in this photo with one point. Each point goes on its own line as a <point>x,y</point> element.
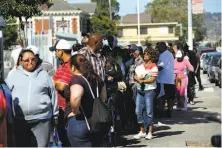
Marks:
<point>146,85</point>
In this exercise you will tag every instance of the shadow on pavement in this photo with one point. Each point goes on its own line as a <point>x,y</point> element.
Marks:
<point>164,134</point>
<point>121,141</point>
<point>160,128</point>
<point>192,116</point>
<point>196,102</point>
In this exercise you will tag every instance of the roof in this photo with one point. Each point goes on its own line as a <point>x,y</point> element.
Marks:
<point>132,19</point>
<point>87,7</point>
<point>61,5</point>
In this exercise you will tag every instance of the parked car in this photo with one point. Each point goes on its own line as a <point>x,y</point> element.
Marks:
<point>206,61</point>
<point>218,73</point>
<point>202,57</point>
<point>206,50</point>
<point>212,66</point>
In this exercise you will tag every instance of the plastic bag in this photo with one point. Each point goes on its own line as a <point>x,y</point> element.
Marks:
<point>54,139</point>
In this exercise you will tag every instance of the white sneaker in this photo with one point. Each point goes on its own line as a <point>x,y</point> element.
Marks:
<point>140,135</point>
<point>191,102</point>
<point>149,136</point>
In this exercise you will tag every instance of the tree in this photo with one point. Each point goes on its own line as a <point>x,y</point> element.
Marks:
<point>102,23</point>
<point>176,11</point>
<point>103,6</point>
<point>21,8</point>
<point>10,33</point>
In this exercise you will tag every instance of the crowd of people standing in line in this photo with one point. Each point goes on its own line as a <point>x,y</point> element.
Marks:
<point>135,83</point>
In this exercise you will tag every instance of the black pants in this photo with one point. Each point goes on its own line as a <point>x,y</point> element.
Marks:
<point>169,96</point>
<point>190,92</point>
<point>121,106</point>
<point>61,127</point>
<point>199,78</point>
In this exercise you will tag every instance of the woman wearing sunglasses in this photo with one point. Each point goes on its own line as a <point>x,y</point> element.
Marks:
<point>34,100</point>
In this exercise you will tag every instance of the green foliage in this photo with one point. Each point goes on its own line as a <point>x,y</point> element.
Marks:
<point>103,6</point>
<point>176,11</point>
<point>103,25</point>
<point>10,33</point>
<point>20,8</point>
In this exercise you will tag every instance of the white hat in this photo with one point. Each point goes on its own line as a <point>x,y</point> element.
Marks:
<point>179,54</point>
<point>61,44</point>
<point>34,49</point>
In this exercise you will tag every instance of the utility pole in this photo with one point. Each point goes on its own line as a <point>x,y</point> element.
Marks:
<point>190,27</point>
<point>1,56</point>
<point>138,21</point>
<point>110,10</point>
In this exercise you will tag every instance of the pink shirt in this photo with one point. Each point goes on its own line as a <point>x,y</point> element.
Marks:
<point>181,67</point>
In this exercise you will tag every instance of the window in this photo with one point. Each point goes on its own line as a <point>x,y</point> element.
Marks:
<point>120,32</point>
<point>170,31</point>
<point>143,31</point>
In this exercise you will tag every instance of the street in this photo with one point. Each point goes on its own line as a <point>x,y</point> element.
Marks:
<point>185,127</point>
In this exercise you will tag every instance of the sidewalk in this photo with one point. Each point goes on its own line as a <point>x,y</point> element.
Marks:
<point>189,126</point>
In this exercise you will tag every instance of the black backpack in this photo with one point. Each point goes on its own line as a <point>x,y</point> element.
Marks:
<point>101,118</point>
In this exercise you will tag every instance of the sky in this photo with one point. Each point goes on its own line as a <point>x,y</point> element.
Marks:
<point>129,6</point>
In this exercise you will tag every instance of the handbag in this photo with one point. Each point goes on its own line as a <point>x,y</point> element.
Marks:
<point>122,86</point>
<point>101,119</point>
<point>54,139</point>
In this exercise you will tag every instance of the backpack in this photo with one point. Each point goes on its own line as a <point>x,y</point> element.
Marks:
<point>101,118</point>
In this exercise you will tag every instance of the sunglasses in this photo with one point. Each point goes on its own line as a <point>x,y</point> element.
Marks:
<point>27,60</point>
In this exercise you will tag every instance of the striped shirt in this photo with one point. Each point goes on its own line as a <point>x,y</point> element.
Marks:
<point>64,75</point>
<point>97,60</point>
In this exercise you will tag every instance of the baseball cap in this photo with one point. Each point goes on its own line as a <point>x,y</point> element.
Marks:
<point>179,54</point>
<point>133,48</point>
<point>34,49</point>
<point>61,44</point>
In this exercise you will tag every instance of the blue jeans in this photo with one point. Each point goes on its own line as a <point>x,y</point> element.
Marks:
<point>144,99</point>
<point>78,133</point>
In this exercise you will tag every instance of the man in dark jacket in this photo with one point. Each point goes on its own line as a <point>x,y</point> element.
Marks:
<point>191,76</point>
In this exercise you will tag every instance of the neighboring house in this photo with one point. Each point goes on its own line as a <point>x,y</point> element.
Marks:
<point>153,32</point>
<point>90,8</point>
<point>61,17</point>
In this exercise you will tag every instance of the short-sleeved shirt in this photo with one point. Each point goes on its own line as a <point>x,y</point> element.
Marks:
<point>87,99</point>
<point>166,75</point>
<point>97,60</point>
<point>138,61</point>
<point>151,71</point>
<point>64,75</point>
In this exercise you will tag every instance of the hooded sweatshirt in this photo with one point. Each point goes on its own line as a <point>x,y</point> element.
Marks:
<point>33,94</point>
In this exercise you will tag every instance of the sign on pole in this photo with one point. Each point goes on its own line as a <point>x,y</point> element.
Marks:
<point>197,6</point>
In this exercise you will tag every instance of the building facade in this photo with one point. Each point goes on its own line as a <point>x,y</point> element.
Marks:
<point>151,32</point>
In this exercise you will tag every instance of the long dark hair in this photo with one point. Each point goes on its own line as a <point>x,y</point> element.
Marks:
<point>85,68</point>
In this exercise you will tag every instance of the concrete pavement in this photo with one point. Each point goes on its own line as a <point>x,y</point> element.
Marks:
<point>183,127</point>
